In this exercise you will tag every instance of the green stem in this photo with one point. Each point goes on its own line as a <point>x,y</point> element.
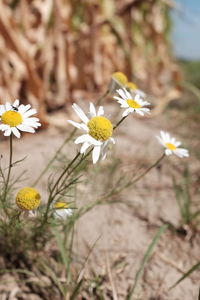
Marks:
<point>51,195</point>
<point>132,182</point>
<point>99,100</point>
<point>53,191</point>
<point>9,169</point>
<point>148,169</point>
<point>83,158</point>
<point>120,121</point>
<point>68,138</point>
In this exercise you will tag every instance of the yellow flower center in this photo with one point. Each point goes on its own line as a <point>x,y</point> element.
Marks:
<point>100,128</point>
<point>28,198</point>
<point>121,77</point>
<point>170,146</point>
<point>60,205</point>
<point>132,103</point>
<point>131,86</point>
<point>11,118</point>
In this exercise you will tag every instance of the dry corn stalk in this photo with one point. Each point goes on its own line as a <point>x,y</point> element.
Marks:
<point>49,49</point>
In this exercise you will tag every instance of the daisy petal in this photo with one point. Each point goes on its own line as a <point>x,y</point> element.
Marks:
<point>7,132</point>
<point>16,132</point>
<point>29,113</point>
<point>96,153</point>
<point>26,128</point>
<point>168,152</point>
<point>16,103</point>
<point>4,127</point>
<point>2,109</point>
<point>84,147</point>
<point>82,139</point>
<point>126,113</point>
<point>92,110</point>
<point>100,111</point>
<point>80,113</point>
<point>8,106</point>
<point>78,125</point>
<point>23,108</point>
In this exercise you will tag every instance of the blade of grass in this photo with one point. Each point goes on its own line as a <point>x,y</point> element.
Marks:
<point>185,275</point>
<point>63,252</point>
<point>146,259</point>
<point>53,276</point>
<point>76,290</point>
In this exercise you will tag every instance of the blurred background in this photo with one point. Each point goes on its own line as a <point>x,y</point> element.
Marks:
<point>52,51</point>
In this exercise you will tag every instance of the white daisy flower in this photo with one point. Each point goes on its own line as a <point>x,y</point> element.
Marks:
<point>15,118</point>
<point>61,210</point>
<point>131,103</point>
<point>171,145</point>
<point>98,129</point>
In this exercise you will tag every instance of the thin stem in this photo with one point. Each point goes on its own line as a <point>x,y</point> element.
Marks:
<point>64,172</point>
<point>9,169</point>
<point>53,191</point>
<point>51,196</point>
<point>99,101</point>
<point>120,121</point>
<point>63,144</point>
<point>68,138</point>
<point>148,169</point>
<point>132,182</point>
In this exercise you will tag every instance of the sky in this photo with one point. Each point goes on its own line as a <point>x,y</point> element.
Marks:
<point>186,29</point>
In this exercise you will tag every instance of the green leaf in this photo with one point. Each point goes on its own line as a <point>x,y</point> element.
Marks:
<point>146,259</point>
<point>185,275</point>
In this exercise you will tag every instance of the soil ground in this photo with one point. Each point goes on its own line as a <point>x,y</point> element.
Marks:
<point>123,231</point>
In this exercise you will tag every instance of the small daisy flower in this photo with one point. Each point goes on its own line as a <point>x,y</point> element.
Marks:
<point>15,118</point>
<point>131,86</point>
<point>118,80</point>
<point>61,210</point>
<point>131,103</point>
<point>171,145</point>
<point>98,129</point>
<point>28,199</point>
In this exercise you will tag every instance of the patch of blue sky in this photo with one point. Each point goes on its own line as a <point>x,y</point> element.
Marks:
<point>186,29</point>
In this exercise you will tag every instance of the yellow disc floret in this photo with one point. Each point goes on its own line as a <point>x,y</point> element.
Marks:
<point>170,146</point>
<point>120,77</point>
<point>28,198</point>
<point>60,205</point>
<point>132,103</point>
<point>100,128</point>
<point>131,86</point>
<point>11,118</point>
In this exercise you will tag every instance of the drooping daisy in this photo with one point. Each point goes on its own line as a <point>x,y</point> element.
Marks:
<point>98,129</point>
<point>131,103</point>
<point>171,145</point>
<point>28,199</point>
<point>61,210</point>
<point>118,80</point>
<point>15,118</point>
